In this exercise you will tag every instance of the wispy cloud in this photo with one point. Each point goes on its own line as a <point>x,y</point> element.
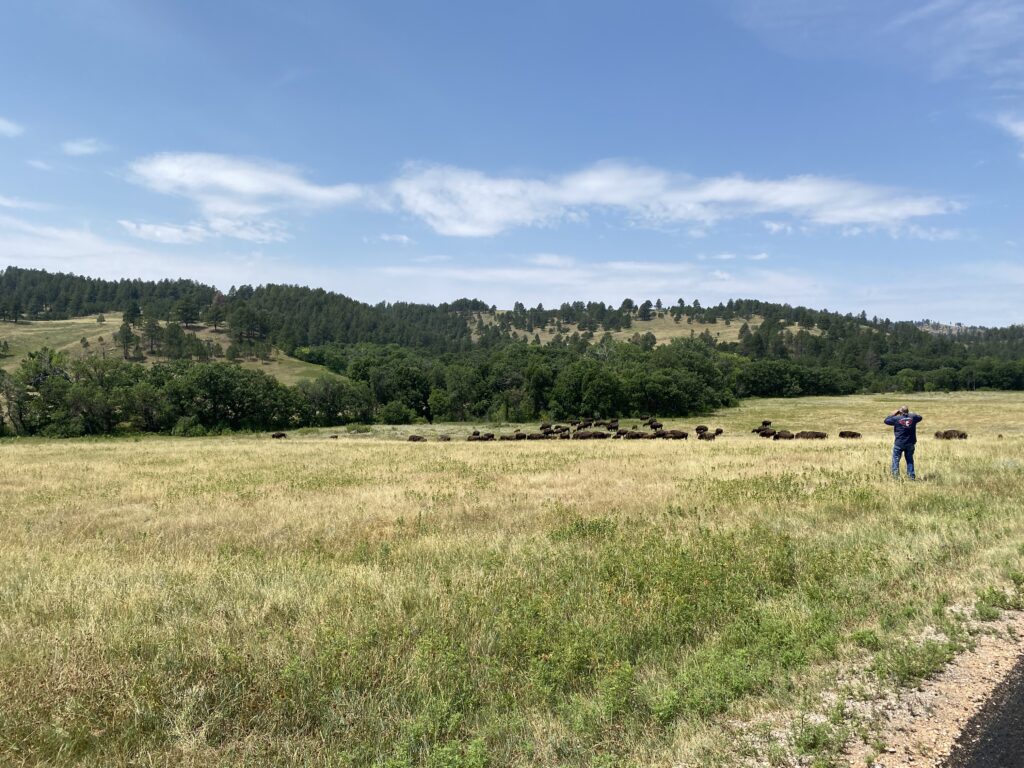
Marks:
<point>1013,126</point>
<point>237,197</point>
<point>530,282</point>
<point>39,165</point>
<point>10,129</point>
<point>980,36</point>
<point>775,227</point>
<point>166,233</point>
<point>24,205</point>
<point>397,239</point>
<point>468,203</point>
<point>82,147</point>
<point>551,260</point>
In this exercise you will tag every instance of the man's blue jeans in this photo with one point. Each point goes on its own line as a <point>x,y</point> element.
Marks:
<point>908,452</point>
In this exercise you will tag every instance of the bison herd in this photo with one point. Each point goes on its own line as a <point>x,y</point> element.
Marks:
<point>602,429</point>
<point>592,429</point>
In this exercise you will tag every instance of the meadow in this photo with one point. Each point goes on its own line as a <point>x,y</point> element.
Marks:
<point>368,601</point>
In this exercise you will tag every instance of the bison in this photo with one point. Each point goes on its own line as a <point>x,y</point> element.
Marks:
<point>783,434</point>
<point>811,435</point>
<point>705,435</point>
<point>766,432</point>
<point>951,434</point>
<point>849,434</point>
<point>766,423</point>
<point>417,439</point>
<point>279,435</point>
<point>444,438</point>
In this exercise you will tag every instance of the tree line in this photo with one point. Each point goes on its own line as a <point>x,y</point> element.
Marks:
<point>459,361</point>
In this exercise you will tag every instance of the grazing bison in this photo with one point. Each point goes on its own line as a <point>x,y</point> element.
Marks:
<point>677,434</point>
<point>766,432</point>
<point>444,438</point>
<point>783,434</point>
<point>849,434</point>
<point>417,439</point>
<point>655,425</point>
<point>705,435</point>
<point>335,437</point>
<point>951,434</point>
<point>811,435</point>
<point>719,431</point>
<point>279,435</point>
<point>766,423</point>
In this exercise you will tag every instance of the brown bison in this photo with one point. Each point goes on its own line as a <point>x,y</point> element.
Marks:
<point>766,423</point>
<point>849,434</point>
<point>811,435</point>
<point>783,434</point>
<point>444,438</point>
<point>705,435</point>
<point>951,434</point>
<point>766,432</point>
<point>279,435</point>
<point>417,439</point>
<point>700,428</point>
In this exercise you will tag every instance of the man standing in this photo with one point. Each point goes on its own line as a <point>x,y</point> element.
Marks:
<point>904,424</point>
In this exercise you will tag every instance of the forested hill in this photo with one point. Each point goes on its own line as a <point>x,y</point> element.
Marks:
<point>286,316</point>
<point>763,349</point>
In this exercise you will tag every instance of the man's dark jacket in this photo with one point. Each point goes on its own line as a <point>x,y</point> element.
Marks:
<point>905,427</point>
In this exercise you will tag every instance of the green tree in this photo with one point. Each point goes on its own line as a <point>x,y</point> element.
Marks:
<point>152,333</point>
<point>124,338</point>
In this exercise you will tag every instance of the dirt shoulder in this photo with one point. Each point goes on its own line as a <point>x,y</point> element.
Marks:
<point>921,726</point>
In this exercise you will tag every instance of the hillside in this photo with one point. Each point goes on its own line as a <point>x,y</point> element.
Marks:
<point>67,335</point>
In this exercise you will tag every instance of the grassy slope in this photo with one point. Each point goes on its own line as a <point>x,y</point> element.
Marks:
<point>356,602</point>
<point>664,329</point>
<point>66,335</point>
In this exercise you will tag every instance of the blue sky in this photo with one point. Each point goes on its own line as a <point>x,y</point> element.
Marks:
<point>849,155</point>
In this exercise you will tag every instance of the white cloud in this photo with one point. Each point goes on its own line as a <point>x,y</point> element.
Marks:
<point>236,197</point>
<point>389,238</point>
<point>551,260</point>
<point>1013,126</point>
<point>775,227</point>
<point>758,257</point>
<point>981,36</point>
<point>436,258</point>
<point>467,203</point>
<point>39,165</point>
<point>717,257</point>
<point>607,280</point>
<point>81,147</point>
<point>166,233</point>
<point>9,129</point>
<point>25,205</point>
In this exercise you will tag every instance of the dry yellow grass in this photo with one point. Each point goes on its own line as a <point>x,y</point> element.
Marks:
<point>662,325</point>
<point>238,600</point>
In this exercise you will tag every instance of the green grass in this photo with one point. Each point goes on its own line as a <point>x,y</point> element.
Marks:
<point>361,601</point>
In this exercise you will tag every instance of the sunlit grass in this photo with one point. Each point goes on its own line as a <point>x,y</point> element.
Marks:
<point>365,601</point>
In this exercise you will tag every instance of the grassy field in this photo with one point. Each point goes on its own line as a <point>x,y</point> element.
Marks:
<point>66,335</point>
<point>365,601</point>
